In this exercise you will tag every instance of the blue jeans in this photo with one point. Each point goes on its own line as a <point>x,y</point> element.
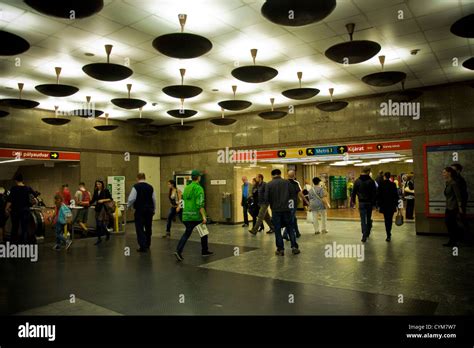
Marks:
<point>190,225</point>
<point>59,228</point>
<point>365,211</point>
<point>171,215</point>
<point>294,224</point>
<point>279,219</point>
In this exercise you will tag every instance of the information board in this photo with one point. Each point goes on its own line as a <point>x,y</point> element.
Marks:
<point>338,187</point>
<point>116,186</point>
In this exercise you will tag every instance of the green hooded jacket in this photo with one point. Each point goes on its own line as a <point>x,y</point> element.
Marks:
<point>193,198</point>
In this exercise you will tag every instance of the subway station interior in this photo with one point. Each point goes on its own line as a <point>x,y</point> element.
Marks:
<point>209,95</point>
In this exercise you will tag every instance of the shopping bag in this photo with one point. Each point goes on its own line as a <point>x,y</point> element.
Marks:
<point>309,217</point>
<point>399,218</point>
<point>202,230</point>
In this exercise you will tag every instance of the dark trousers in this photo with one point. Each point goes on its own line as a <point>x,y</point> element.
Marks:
<point>171,215</point>
<point>280,219</point>
<point>410,209</point>
<point>245,207</point>
<point>450,219</point>
<point>143,222</point>
<point>388,219</point>
<point>365,211</point>
<point>190,225</point>
<point>19,232</point>
<point>100,228</point>
<point>293,223</point>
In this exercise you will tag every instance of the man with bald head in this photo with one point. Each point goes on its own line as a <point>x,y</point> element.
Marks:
<point>244,201</point>
<point>295,193</point>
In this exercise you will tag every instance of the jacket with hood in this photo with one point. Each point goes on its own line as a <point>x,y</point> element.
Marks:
<point>364,189</point>
<point>193,199</point>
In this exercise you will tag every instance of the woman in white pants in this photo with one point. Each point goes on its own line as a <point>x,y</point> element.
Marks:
<point>318,205</point>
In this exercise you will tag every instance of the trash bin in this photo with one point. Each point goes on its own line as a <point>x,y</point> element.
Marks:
<point>227,205</point>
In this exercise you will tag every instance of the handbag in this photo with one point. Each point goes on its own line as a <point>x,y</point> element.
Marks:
<point>202,230</point>
<point>399,218</point>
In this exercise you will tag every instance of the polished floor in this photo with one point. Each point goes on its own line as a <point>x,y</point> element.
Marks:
<point>412,275</point>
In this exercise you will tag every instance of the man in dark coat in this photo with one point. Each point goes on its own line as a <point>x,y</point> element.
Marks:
<point>387,201</point>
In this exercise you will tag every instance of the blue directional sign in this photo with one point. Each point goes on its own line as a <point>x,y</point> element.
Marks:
<point>326,150</point>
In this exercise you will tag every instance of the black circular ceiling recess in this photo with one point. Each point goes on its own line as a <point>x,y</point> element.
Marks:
<point>464,27</point>
<point>106,128</point>
<point>181,127</point>
<point>12,44</point>
<point>219,121</point>
<point>300,93</point>
<point>57,89</point>
<point>182,113</point>
<point>404,95</point>
<point>272,115</point>
<point>148,131</point>
<point>56,121</point>
<point>19,103</point>
<point>182,91</point>
<point>384,78</point>
<point>297,13</point>
<point>182,45</point>
<point>332,106</point>
<point>87,112</point>
<point>107,71</point>
<point>4,113</point>
<point>352,52</point>
<point>469,64</point>
<point>69,9</point>
<point>254,73</point>
<point>234,105</point>
<point>128,103</point>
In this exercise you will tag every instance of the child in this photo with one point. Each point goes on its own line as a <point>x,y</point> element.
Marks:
<point>63,217</point>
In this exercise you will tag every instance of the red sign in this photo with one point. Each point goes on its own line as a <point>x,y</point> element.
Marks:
<point>382,146</point>
<point>40,155</point>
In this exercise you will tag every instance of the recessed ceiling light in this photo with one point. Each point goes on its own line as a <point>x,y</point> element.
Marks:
<point>89,54</point>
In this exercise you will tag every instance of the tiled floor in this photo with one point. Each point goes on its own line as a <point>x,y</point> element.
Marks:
<point>411,275</point>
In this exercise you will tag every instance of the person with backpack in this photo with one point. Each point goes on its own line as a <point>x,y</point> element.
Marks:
<point>62,218</point>
<point>387,202</point>
<point>83,200</point>
<point>365,190</point>
<point>409,194</point>
<point>318,205</point>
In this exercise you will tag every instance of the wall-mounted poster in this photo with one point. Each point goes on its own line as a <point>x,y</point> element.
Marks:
<point>438,156</point>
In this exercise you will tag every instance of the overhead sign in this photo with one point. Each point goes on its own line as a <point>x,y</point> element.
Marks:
<point>382,146</point>
<point>41,155</point>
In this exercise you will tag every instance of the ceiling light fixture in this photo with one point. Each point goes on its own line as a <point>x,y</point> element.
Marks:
<point>139,121</point>
<point>69,9</point>
<point>297,13</point>
<point>57,89</point>
<point>149,130</point>
<point>19,103</point>
<point>469,64</point>
<point>332,106</point>
<point>88,112</point>
<point>352,52</point>
<point>12,44</point>
<point>234,105</point>
<point>254,73</point>
<point>182,112</point>
<point>404,95</point>
<point>182,45</point>
<point>128,103</point>
<point>300,93</point>
<point>4,113</point>
<point>56,121</point>
<point>222,121</point>
<point>107,71</point>
<point>464,27</point>
<point>272,115</point>
<point>384,78</point>
<point>182,91</point>
<point>106,127</point>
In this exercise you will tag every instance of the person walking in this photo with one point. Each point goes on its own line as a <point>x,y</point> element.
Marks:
<point>295,194</point>
<point>193,215</point>
<point>387,201</point>
<point>454,208</point>
<point>19,201</point>
<point>174,196</point>
<point>409,194</point>
<point>277,195</point>
<point>62,217</point>
<point>244,203</point>
<point>3,216</point>
<point>462,184</point>
<point>143,199</point>
<point>318,203</point>
<point>365,190</point>
<point>66,194</point>
<point>263,214</point>
<point>253,203</point>
<point>100,198</point>
<point>82,198</point>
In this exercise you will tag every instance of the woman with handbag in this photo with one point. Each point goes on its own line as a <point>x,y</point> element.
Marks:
<point>387,201</point>
<point>454,206</point>
<point>174,196</point>
<point>100,198</point>
<point>318,205</point>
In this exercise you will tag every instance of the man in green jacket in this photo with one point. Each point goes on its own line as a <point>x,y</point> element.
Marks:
<point>193,214</point>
